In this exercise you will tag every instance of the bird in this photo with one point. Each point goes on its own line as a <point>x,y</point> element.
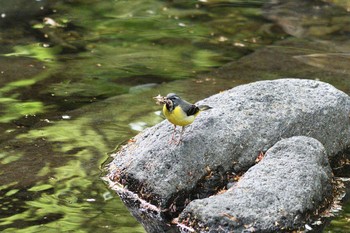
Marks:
<point>179,112</point>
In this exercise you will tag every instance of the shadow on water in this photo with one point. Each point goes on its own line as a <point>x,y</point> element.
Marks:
<point>77,78</point>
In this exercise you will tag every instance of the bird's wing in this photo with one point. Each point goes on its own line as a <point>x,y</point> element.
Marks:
<point>190,109</point>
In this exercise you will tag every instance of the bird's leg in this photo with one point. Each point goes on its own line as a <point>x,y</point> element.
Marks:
<point>173,135</point>
<point>182,132</point>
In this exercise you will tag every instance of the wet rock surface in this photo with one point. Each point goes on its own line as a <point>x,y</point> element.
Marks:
<point>157,180</point>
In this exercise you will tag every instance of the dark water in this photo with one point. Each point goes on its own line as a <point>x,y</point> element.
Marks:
<point>77,80</point>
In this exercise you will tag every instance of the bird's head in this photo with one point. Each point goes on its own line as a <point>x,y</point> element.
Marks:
<point>171,100</point>
<point>173,97</point>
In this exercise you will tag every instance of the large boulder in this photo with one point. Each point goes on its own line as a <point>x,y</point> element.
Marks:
<point>245,121</point>
<point>290,183</point>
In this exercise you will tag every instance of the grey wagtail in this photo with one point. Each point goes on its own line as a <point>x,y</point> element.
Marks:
<point>179,112</point>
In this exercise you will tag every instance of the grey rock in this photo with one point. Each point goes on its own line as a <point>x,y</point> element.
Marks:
<point>293,180</point>
<point>244,122</point>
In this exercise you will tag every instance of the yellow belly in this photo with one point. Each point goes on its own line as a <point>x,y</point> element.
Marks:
<point>178,117</point>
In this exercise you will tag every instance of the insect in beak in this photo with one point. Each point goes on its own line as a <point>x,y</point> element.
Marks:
<point>162,100</point>
<point>159,99</point>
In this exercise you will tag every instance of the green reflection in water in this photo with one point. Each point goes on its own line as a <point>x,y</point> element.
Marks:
<point>341,223</point>
<point>13,105</point>
<point>156,39</point>
<point>36,51</point>
<point>16,109</point>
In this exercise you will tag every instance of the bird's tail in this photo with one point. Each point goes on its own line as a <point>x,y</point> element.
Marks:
<point>204,107</point>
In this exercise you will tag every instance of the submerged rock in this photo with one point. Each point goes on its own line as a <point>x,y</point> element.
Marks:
<point>317,19</point>
<point>156,180</point>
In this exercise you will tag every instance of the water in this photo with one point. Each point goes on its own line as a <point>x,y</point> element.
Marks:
<point>79,83</point>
